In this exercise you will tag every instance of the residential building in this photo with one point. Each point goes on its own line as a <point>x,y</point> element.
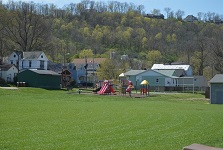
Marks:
<point>190,18</point>
<point>28,60</point>
<point>187,68</point>
<point>160,16</point>
<point>169,79</point>
<point>84,69</point>
<point>8,72</point>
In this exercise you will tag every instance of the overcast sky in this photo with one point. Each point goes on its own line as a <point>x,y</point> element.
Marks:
<point>190,7</point>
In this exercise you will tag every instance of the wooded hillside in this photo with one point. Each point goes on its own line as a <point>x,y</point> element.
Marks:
<point>117,28</point>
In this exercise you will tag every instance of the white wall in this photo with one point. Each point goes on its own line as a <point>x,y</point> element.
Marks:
<point>170,82</point>
<point>9,75</point>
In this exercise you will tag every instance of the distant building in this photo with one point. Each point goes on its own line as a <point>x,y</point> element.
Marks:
<point>83,70</point>
<point>8,72</point>
<point>190,18</point>
<point>216,89</point>
<point>187,68</point>
<point>40,78</point>
<point>161,16</point>
<point>28,60</point>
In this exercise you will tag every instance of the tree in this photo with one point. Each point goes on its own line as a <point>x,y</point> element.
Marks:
<point>86,52</point>
<point>217,53</point>
<point>156,12</point>
<point>179,14</point>
<point>167,10</point>
<point>29,31</point>
<point>154,56</point>
<point>108,70</point>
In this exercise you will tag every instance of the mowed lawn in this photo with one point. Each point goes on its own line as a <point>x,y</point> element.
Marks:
<point>43,119</point>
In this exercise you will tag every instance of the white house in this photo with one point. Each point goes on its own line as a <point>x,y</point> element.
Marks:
<point>187,68</point>
<point>29,60</point>
<point>8,72</point>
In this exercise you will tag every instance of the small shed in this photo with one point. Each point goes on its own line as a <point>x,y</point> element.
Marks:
<point>40,78</point>
<point>216,89</point>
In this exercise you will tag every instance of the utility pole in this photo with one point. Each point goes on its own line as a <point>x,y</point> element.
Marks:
<point>86,70</point>
<point>93,71</point>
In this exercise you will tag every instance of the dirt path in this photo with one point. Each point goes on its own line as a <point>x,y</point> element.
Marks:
<point>9,88</point>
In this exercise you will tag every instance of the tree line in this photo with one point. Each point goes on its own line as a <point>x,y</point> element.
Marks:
<point>112,28</point>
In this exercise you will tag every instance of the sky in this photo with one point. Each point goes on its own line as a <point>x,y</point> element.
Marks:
<point>190,7</point>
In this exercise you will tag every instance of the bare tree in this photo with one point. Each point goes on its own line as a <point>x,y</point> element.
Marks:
<point>200,16</point>
<point>27,30</point>
<point>156,12</point>
<point>179,14</point>
<point>217,53</point>
<point>167,10</point>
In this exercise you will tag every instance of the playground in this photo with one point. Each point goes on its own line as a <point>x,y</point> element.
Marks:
<point>125,88</point>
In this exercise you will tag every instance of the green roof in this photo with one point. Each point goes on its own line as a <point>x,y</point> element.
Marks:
<point>45,72</point>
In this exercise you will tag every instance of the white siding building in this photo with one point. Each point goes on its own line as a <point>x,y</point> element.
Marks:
<point>29,60</point>
<point>8,72</point>
<point>187,68</point>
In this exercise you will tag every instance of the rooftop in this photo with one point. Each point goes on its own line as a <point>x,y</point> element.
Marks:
<point>218,78</point>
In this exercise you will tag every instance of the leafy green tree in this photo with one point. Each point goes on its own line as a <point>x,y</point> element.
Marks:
<point>86,53</point>
<point>108,70</point>
<point>153,56</point>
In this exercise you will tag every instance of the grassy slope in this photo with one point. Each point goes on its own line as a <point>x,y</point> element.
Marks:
<point>41,119</point>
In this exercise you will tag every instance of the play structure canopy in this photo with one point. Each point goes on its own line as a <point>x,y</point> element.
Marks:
<point>122,75</point>
<point>144,82</point>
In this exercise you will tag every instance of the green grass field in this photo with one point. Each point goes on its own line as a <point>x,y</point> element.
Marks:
<point>42,119</point>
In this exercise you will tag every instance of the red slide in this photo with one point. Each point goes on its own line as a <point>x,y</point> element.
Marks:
<point>103,89</point>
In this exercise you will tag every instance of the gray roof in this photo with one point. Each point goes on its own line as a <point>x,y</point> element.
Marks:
<point>134,72</point>
<point>166,72</point>
<point>6,67</point>
<point>32,55</point>
<point>172,72</point>
<point>218,78</point>
<point>45,72</point>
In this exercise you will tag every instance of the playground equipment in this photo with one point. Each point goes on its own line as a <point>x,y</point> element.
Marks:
<point>106,88</point>
<point>130,87</point>
<point>126,86</point>
<point>98,87</point>
<point>144,87</point>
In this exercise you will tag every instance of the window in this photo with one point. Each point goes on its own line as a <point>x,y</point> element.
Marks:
<point>14,56</point>
<point>41,56</point>
<point>11,62</point>
<point>30,64</point>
